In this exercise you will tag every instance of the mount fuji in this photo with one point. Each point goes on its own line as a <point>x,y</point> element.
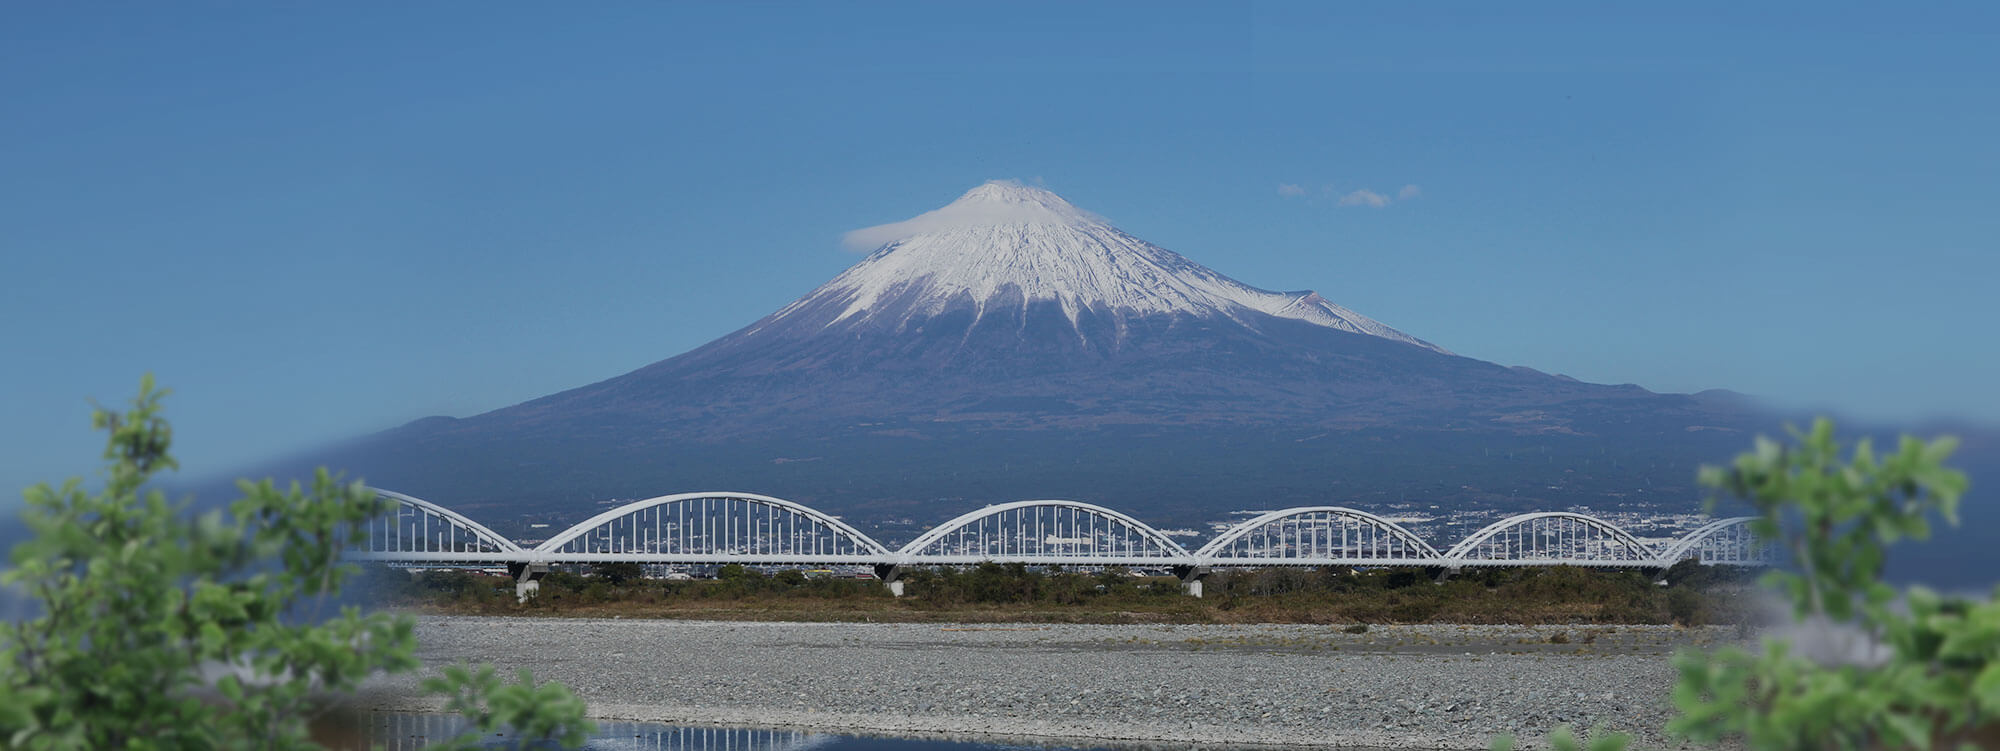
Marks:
<point>1006,246</point>
<point>1011,345</point>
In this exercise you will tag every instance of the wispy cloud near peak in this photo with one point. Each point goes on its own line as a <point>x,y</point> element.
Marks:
<point>1360,197</point>
<point>1365,197</point>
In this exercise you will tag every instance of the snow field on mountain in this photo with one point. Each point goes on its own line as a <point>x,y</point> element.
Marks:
<point>1003,239</point>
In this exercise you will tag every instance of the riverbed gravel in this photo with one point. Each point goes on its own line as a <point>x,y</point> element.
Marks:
<point>1404,687</point>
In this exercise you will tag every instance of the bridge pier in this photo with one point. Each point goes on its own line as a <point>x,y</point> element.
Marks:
<point>891,576</point>
<point>1443,572</point>
<point>527,579</point>
<point>1191,577</point>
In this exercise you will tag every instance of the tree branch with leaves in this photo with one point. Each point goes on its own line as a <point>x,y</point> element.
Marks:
<point>160,629</point>
<point>1926,673</point>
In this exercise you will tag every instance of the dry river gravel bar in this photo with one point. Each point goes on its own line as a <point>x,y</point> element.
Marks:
<point>1286,685</point>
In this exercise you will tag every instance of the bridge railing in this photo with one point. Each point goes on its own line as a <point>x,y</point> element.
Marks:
<point>1558,537</point>
<point>731,527</point>
<point>1043,531</point>
<point>1314,536</point>
<point>713,527</point>
<point>1724,542</point>
<point>418,530</point>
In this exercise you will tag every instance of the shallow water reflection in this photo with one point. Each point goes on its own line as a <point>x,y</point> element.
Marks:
<point>408,731</point>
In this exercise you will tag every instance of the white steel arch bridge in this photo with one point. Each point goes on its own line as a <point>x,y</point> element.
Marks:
<point>719,528</point>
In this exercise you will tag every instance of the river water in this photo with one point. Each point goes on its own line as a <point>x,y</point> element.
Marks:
<point>408,731</point>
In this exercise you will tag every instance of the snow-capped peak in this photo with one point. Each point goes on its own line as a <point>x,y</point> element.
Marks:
<point>996,203</point>
<point>1016,194</point>
<point>1008,244</point>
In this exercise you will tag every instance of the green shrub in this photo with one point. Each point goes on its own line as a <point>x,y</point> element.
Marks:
<point>1684,606</point>
<point>618,573</point>
<point>1835,517</point>
<point>789,578</point>
<point>1404,578</point>
<point>138,599</point>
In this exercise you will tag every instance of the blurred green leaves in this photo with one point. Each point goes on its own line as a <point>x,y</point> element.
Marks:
<point>161,630</point>
<point>1920,676</point>
<point>537,711</point>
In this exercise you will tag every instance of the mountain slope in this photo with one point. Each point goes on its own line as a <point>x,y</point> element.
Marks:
<point>1012,329</point>
<point>1004,245</point>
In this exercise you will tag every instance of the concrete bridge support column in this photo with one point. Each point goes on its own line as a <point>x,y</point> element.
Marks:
<point>892,577</point>
<point>527,579</point>
<point>1191,577</point>
<point>1441,573</point>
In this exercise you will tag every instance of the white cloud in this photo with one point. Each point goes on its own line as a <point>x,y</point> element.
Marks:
<point>1365,197</point>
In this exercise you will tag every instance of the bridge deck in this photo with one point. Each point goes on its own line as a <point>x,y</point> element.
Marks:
<point>725,527</point>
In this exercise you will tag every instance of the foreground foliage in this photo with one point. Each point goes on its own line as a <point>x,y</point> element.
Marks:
<point>161,630</point>
<point>1873,676</point>
<point>1920,676</point>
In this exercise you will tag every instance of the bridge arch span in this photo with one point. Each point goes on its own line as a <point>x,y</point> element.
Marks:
<point>1044,531</point>
<point>1554,536</point>
<point>713,527</point>
<point>1316,535</point>
<point>417,530</point>
<point>1723,541</point>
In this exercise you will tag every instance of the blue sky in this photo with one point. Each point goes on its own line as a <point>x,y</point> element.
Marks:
<point>316,221</point>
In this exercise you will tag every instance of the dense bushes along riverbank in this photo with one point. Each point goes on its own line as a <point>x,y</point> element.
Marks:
<point>1696,595</point>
